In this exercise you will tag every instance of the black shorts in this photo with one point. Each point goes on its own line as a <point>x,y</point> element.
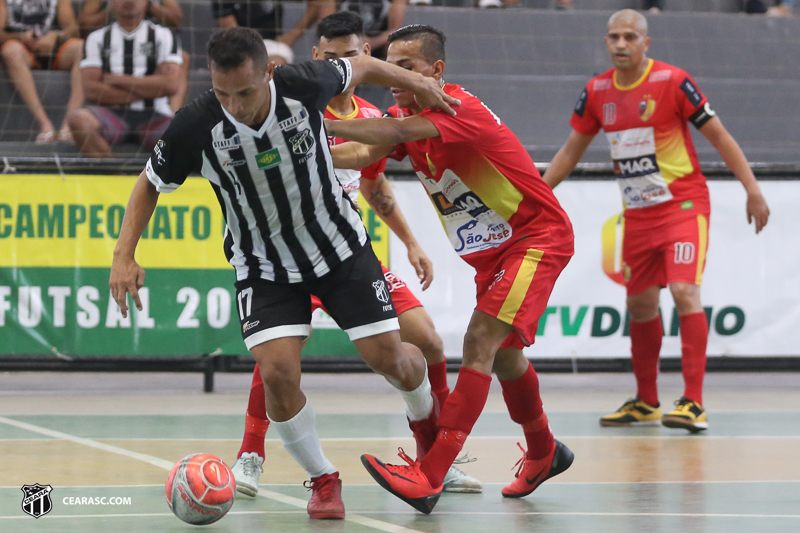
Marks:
<point>355,294</point>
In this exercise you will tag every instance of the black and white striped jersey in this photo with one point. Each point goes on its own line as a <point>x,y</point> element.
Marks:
<point>137,53</point>
<point>288,218</point>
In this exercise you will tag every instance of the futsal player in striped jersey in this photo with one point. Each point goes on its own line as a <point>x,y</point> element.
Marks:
<point>258,138</point>
<point>341,35</point>
<point>645,108</point>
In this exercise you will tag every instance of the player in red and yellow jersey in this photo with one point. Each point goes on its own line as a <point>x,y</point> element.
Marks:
<point>504,221</point>
<point>645,108</point>
<point>341,35</point>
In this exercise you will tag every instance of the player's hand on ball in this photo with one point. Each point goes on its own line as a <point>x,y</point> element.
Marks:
<point>757,210</point>
<point>126,276</point>
<point>429,95</point>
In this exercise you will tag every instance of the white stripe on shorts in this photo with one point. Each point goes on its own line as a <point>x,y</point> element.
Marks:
<point>376,328</point>
<point>278,332</point>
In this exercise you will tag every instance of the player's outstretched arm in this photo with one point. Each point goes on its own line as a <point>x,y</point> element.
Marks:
<point>732,155</point>
<point>380,196</point>
<point>358,155</point>
<point>567,157</point>
<point>383,131</point>
<point>428,93</point>
<point>126,274</point>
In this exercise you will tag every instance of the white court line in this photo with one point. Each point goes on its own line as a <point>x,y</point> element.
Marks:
<point>138,515</point>
<point>166,465</point>
<point>554,483</point>
<point>471,438</point>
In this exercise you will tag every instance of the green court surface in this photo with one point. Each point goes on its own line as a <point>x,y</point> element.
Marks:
<point>743,475</point>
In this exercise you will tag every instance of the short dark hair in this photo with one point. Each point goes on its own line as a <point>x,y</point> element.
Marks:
<point>341,24</point>
<point>432,40</point>
<point>229,48</point>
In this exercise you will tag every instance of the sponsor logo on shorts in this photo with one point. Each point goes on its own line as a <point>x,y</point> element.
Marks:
<point>497,279</point>
<point>269,159</point>
<point>228,144</point>
<point>387,307</point>
<point>687,205</point>
<point>250,325</point>
<point>158,151</point>
<point>36,499</point>
<point>381,293</point>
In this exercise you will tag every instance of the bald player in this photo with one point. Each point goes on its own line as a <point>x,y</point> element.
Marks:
<point>645,108</point>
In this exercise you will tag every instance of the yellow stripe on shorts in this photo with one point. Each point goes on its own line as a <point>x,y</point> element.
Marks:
<point>522,282</point>
<point>702,245</point>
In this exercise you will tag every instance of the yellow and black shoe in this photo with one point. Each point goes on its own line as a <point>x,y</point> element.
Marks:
<point>688,414</point>
<point>633,412</point>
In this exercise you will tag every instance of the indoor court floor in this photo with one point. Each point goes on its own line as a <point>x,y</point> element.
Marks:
<point>116,435</point>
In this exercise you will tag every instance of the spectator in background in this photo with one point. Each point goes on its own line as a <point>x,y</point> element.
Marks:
<point>130,69</point>
<point>95,15</point>
<point>264,17</point>
<point>381,17</point>
<point>41,35</point>
<point>653,6</point>
<point>783,9</point>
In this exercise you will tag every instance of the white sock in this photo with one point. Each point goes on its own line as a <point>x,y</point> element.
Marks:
<point>299,436</point>
<point>419,402</point>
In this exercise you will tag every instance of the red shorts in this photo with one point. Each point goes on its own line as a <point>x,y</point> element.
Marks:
<point>402,297</point>
<point>663,253</point>
<point>517,289</point>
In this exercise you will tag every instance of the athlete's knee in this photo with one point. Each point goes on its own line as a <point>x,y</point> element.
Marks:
<point>81,120</point>
<point>384,353</point>
<point>686,297</point>
<point>643,306</point>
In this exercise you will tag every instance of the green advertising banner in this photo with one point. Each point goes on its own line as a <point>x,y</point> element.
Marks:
<point>57,236</point>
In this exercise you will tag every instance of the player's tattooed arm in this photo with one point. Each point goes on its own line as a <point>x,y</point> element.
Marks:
<point>383,203</point>
<point>379,194</point>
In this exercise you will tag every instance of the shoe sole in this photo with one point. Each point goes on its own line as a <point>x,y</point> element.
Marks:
<point>423,505</point>
<point>463,490</point>
<point>328,515</point>
<point>612,424</point>
<point>682,423</point>
<point>565,460</point>
<point>247,490</point>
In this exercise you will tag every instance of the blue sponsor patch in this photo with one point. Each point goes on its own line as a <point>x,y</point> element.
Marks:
<point>692,93</point>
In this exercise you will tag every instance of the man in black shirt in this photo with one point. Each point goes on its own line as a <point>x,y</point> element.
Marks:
<point>292,231</point>
<point>264,17</point>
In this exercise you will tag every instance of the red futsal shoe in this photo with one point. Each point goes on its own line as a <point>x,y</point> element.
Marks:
<point>533,472</point>
<point>425,431</point>
<point>326,496</point>
<point>407,482</point>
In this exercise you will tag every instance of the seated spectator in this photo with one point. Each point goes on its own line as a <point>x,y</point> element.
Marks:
<point>381,17</point>
<point>264,17</point>
<point>129,71</point>
<point>94,15</point>
<point>783,9</point>
<point>653,6</point>
<point>41,35</point>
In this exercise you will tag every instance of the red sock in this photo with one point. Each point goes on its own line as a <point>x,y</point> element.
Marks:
<point>256,422</point>
<point>525,407</point>
<point>645,349</point>
<point>459,414</point>
<point>694,339</point>
<point>437,375</point>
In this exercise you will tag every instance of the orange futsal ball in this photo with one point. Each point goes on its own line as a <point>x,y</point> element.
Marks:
<point>200,489</point>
